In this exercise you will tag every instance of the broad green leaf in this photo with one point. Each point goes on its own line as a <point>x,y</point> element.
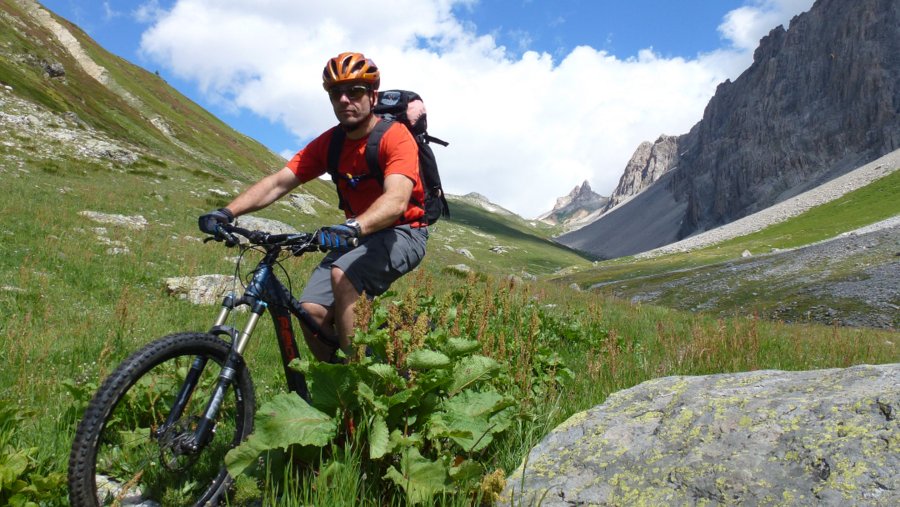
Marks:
<point>471,370</point>
<point>425,359</point>
<point>459,346</point>
<point>466,471</point>
<point>333,386</point>
<point>398,439</point>
<point>377,402</point>
<point>285,420</point>
<point>378,438</point>
<point>471,434</point>
<point>419,477</point>
<point>387,374</point>
<point>244,456</point>
<point>473,404</point>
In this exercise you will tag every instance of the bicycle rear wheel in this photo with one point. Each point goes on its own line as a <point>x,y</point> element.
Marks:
<point>123,452</point>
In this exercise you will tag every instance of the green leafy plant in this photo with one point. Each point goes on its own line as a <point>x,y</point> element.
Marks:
<point>427,405</point>
<point>23,479</point>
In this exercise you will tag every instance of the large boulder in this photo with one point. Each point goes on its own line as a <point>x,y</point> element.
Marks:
<point>827,437</point>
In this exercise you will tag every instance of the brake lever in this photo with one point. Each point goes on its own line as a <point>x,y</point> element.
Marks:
<point>222,235</point>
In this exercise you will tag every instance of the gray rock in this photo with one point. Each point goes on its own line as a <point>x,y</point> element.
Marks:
<point>460,269</point>
<point>465,253</point>
<point>826,437</point>
<point>54,69</point>
<point>203,289</point>
<point>136,222</point>
<point>264,224</point>
<point>305,203</point>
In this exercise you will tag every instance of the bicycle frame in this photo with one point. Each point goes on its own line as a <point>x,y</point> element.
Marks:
<point>264,292</point>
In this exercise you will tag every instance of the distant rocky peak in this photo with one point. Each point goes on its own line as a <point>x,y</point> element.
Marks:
<point>579,203</point>
<point>647,164</point>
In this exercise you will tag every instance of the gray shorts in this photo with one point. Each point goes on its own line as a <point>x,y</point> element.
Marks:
<point>378,261</point>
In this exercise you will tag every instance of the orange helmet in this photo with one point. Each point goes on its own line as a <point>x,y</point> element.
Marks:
<point>350,67</point>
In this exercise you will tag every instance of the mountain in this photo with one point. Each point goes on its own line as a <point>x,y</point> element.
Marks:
<point>820,99</point>
<point>574,207</point>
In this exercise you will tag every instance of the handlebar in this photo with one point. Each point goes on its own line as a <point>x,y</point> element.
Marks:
<point>296,242</point>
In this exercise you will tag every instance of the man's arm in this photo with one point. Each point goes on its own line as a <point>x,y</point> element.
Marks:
<point>389,206</point>
<point>264,192</point>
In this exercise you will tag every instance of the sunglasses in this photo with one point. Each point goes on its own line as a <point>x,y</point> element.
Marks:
<point>353,92</point>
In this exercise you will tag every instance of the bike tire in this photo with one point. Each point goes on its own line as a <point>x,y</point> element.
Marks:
<point>115,452</point>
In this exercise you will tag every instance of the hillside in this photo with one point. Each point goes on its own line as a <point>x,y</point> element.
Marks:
<point>819,100</point>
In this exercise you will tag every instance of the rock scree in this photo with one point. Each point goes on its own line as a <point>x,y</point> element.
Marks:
<point>824,437</point>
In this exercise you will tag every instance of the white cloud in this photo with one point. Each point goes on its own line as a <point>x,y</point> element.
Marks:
<point>523,130</point>
<point>745,26</point>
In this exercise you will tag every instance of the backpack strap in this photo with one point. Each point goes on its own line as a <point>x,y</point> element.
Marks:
<point>372,146</point>
<point>334,156</point>
<point>431,139</point>
<point>338,136</point>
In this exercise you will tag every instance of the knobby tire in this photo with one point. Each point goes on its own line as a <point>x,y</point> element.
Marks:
<point>114,452</point>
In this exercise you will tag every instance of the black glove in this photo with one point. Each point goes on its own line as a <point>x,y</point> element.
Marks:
<point>339,237</point>
<point>209,221</point>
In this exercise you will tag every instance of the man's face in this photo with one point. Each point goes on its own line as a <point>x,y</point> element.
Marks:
<point>352,103</point>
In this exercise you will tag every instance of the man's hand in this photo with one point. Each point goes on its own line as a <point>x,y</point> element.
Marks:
<point>339,237</point>
<point>209,221</point>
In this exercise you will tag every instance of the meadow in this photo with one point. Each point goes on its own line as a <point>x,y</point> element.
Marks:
<point>72,310</point>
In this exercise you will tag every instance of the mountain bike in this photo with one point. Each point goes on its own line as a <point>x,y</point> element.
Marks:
<point>160,425</point>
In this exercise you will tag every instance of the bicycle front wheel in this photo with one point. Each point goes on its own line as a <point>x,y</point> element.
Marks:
<point>124,450</point>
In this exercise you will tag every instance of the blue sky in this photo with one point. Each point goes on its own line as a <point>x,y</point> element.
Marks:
<point>534,96</point>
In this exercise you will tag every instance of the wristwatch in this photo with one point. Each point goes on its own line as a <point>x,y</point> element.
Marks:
<point>354,224</point>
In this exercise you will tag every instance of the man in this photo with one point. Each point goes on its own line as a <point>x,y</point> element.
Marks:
<point>385,218</point>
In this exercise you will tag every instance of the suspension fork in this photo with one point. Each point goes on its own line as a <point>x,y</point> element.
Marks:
<point>198,365</point>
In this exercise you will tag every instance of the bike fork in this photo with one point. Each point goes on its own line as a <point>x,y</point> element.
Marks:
<point>233,363</point>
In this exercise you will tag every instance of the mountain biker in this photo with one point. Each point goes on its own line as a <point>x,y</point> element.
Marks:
<point>390,228</point>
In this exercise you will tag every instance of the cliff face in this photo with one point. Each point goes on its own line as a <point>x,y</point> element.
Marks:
<point>648,163</point>
<point>820,99</point>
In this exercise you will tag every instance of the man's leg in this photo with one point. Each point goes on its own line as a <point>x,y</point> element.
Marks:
<point>324,318</point>
<point>345,297</point>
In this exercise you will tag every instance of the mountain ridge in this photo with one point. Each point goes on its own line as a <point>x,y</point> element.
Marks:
<point>820,99</point>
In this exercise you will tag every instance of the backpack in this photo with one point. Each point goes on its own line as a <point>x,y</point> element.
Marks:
<point>405,107</point>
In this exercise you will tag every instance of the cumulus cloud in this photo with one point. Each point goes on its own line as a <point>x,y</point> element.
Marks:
<point>524,128</point>
<point>744,26</point>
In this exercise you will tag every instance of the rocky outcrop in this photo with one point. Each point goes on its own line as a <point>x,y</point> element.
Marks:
<point>827,437</point>
<point>579,203</point>
<point>648,163</point>
<point>820,99</point>
<point>203,289</point>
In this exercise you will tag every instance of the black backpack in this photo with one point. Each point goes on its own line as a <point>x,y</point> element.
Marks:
<point>393,106</point>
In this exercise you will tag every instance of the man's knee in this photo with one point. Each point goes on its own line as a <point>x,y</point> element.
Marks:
<point>341,285</point>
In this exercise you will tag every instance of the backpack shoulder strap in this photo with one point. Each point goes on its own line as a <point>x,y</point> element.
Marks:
<point>334,156</point>
<point>334,150</point>
<point>372,145</point>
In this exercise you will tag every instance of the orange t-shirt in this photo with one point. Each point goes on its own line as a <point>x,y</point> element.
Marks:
<point>397,154</point>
